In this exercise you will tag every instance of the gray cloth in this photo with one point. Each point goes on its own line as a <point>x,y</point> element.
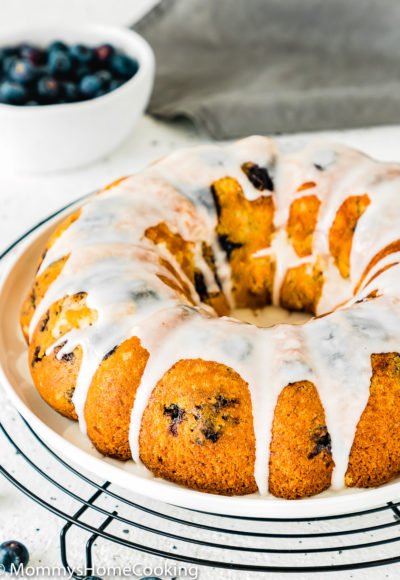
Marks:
<point>238,67</point>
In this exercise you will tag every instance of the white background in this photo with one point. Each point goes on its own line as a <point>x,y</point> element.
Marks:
<point>25,199</point>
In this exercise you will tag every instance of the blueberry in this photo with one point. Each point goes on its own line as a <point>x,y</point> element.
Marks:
<point>6,51</point>
<point>81,71</point>
<point>8,62</point>
<point>12,555</point>
<point>22,71</point>
<point>12,93</point>
<point>48,89</point>
<point>105,77</point>
<point>115,84</point>
<point>59,63</point>
<point>22,46</point>
<point>70,92</point>
<point>150,578</point>
<point>124,66</point>
<point>104,52</point>
<point>32,54</point>
<point>31,103</point>
<point>81,53</point>
<point>57,45</point>
<point>90,86</point>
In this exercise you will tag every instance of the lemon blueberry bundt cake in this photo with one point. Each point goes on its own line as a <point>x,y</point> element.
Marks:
<point>129,330</point>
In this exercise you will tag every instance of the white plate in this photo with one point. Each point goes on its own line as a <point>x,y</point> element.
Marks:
<point>64,435</point>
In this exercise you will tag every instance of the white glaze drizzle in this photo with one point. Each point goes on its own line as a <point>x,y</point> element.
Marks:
<point>118,268</point>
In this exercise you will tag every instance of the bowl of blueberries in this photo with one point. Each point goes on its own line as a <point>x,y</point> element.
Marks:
<point>70,95</point>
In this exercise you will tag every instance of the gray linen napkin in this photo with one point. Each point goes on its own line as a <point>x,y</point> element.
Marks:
<point>238,67</point>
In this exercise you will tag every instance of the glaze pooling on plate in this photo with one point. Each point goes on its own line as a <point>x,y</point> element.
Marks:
<point>119,269</point>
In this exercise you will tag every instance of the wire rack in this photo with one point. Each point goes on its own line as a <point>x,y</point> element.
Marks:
<point>103,511</point>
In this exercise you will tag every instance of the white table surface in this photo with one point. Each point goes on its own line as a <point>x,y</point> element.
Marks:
<point>24,200</point>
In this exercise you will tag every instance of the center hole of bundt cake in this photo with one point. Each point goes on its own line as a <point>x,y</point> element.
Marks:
<point>269,316</point>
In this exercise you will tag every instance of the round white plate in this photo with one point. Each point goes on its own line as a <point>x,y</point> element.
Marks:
<point>64,435</point>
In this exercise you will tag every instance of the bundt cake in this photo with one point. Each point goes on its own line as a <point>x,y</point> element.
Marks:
<point>129,330</point>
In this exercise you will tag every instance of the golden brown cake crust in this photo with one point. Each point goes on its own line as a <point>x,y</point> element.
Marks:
<point>37,292</point>
<point>301,288</point>
<point>183,252</point>
<point>56,378</point>
<point>197,429</point>
<point>386,251</point>
<point>46,278</point>
<point>245,227</point>
<point>375,454</point>
<point>300,455</point>
<point>301,224</point>
<point>342,231</point>
<point>111,396</point>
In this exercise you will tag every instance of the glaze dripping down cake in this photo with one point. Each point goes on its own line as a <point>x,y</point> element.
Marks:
<point>129,330</point>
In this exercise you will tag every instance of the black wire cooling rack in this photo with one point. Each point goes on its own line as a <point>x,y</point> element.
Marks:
<point>351,541</point>
<point>321,544</point>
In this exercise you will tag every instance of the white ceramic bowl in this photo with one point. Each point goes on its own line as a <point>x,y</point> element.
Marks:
<point>58,137</point>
